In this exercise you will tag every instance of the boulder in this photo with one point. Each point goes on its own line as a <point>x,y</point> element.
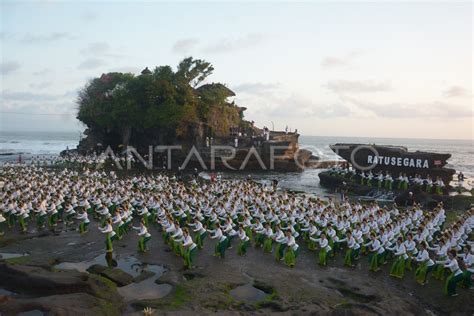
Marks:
<point>39,281</point>
<point>69,304</point>
<point>144,275</point>
<point>170,277</point>
<point>115,275</point>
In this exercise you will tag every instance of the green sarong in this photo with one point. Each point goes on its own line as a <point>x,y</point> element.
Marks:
<point>439,272</point>
<point>451,283</point>
<point>398,268</point>
<point>279,251</point>
<point>142,243</point>
<point>242,248</point>
<point>108,244</point>
<point>323,257</point>
<point>83,227</point>
<point>189,256</point>
<point>349,257</point>
<point>421,273</point>
<point>268,245</point>
<point>467,279</point>
<point>374,262</point>
<point>290,257</point>
<point>220,248</point>
<point>200,239</point>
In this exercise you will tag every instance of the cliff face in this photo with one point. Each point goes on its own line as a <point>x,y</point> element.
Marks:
<point>280,153</point>
<point>253,153</point>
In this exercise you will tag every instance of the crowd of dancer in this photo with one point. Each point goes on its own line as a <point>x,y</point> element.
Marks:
<point>388,182</point>
<point>244,214</point>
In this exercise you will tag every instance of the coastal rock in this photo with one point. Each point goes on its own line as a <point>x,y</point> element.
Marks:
<point>169,277</point>
<point>115,275</point>
<point>144,275</point>
<point>31,279</point>
<point>68,304</point>
<point>40,281</point>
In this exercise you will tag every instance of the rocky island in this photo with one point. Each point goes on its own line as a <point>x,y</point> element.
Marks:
<point>164,107</point>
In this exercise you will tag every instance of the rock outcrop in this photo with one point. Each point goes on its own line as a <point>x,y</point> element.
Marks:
<point>57,292</point>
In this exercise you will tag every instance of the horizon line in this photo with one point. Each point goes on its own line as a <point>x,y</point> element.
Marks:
<point>303,135</point>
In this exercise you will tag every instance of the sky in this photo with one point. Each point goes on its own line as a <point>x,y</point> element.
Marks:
<point>379,69</point>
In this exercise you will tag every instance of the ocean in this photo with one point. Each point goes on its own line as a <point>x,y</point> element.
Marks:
<point>36,143</point>
<point>52,143</point>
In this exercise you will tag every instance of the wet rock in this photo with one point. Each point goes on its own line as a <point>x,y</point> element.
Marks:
<point>265,287</point>
<point>145,290</point>
<point>21,278</point>
<point>248,307</point>
<point>169,277</point>
<point>41,281</point>
<point>274,305</point>
<point>115,275</point>
<point>192,275</point>
<point>336,281</point>
<point>356,296</point>
<point>69,304</point>
<point>144,275</point>
<point>96,269</point>
<point>247,293</point>
<point>348,309</point>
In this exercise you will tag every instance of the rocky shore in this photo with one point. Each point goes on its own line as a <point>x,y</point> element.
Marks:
<point>42,282</point>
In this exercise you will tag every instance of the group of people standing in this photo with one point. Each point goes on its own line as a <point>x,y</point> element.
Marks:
<point>386,181</point>
<point>242,213</point>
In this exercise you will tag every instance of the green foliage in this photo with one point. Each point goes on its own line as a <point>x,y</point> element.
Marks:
<point>18,260</point>
<point>194,71</point>
<point>124,105</point>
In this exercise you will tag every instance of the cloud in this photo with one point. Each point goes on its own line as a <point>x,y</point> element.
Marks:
<point>299,106</point>
<point>343,86</point>
<point>43,72</point>
<point>184,46</point>
<point>28,96</point>
<point>333,62</point>
<point>63,110</point>
<point>125,69</point>
<point>456,91</point>
<point>256,87</point>
<point>46,38</point>
<point>434,109</point>
<point>96,48</point>
<point>226,45</point>
<point>9,96</point>
<point>41,85</point>
<point>293,105</point>
<point>339,61</point>
<point>89,16</point>
<point>9,67</point>
<point>91,63</point>
<point>100,49</point>
<point>6,36</point>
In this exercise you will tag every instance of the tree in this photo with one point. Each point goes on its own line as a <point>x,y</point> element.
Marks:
<point>194,71</point>
<point>125,109</point>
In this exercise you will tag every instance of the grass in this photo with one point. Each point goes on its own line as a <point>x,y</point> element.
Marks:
<point>102,287</point>
<point>18,260</point>
<point>108,308</point>
<point>177,300</point>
